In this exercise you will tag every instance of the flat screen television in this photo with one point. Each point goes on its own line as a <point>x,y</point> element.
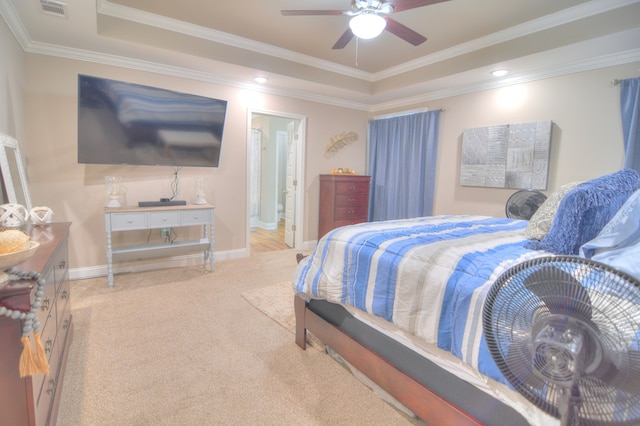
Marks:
<point>127,123</point>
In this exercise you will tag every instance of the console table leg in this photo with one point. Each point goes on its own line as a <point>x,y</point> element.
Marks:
<point>109,260</point>
<point>211,243</point>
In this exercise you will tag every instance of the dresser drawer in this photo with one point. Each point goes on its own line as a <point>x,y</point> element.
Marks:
<point>349,221</point>
<point>47,311</point>
<point>352,188</point>
<point>195,217</point>
<point>128,221</point>
<point>63,307</point>
<point>349,200</point>
<point>350,212</point>
<point>43,400</point>
<point>61,264</point>
<point>164,219</point>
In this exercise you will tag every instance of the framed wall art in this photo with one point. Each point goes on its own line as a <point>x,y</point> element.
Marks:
<point>506,156</point>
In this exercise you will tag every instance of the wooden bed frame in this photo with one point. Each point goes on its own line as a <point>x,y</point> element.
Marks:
<point>424,403</point>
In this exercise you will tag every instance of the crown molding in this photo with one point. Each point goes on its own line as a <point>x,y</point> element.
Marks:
<point>9,14</point>
<point>604,61</point>
<point>187,73</point>
<point>565,16</point>
<point>11,17</point>
<point>105,7</point>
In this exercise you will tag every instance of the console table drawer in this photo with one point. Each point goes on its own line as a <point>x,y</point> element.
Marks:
<point>196,217</point>
<point>128,221</point>
<point>164,219</point>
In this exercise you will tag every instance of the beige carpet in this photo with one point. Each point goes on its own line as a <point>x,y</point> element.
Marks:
<point>183,347</point>
<point>276,302</point>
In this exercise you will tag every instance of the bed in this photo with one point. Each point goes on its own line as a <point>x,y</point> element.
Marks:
<point>401,301</point>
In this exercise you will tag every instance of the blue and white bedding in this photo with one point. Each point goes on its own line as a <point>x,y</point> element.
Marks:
<point>428,276</point>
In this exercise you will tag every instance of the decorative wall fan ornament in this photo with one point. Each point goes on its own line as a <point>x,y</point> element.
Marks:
<point>338,142</point>
<point>372,16</point>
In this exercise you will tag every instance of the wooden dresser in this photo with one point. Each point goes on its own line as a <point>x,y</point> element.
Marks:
<point>344,200</point>
<point>34,400</point>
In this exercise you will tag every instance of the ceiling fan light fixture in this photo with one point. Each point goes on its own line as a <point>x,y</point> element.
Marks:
<point>367,25</point>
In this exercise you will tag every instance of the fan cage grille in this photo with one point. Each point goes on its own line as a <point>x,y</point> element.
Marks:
<point>524,203</point>
<point>611,314</point>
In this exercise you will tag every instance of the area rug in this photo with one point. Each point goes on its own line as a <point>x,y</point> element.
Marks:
<point>276,302</point>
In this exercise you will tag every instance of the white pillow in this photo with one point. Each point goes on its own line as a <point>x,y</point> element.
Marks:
<point>540,222</point>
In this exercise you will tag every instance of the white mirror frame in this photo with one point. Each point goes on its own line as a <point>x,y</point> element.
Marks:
<point>13,172</point>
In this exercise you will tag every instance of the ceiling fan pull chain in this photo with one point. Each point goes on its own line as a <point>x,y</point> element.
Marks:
<point>357,44</point>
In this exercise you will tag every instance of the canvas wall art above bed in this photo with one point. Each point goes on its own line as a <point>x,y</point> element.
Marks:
<point>422,283</point>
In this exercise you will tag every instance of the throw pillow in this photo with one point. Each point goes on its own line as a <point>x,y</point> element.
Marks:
<point>540,222</point>
<point>585,210</point>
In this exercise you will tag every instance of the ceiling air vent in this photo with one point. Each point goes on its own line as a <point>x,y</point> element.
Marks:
<point>56,8</point>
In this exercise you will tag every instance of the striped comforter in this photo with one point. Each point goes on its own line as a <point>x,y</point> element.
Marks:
<point>429,276</point>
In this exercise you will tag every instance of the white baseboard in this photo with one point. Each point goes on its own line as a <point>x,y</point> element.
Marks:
<point>164,263</point>
<point>153,264</point>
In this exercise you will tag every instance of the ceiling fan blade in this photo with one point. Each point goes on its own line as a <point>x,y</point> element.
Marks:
<point>404,32</point>
<point>400,5</point>
<point>312,12</point>
<point>344,39</point>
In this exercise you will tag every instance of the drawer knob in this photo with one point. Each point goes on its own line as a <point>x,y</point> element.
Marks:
<point>52,386</point>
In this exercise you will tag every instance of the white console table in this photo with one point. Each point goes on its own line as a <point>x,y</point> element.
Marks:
<point>124,219</point>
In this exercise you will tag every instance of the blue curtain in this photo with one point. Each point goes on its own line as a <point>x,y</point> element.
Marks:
<point>630,108</point>
<point>402,165</point>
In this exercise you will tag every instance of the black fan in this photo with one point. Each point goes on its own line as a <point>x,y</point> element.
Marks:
<point>565,332</point>
<point>378,8</point>
<point>524,203</point>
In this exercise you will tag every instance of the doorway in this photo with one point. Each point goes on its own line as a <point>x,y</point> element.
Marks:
<point>275,170</point>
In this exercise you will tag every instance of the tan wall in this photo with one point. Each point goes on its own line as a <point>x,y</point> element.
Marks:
<point>76,192</point>
<point>586,134</point>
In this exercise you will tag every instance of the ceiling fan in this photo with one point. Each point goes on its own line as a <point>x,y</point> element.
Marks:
<point>370,17</point>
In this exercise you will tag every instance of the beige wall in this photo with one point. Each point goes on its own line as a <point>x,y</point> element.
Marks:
<point>76,192</point>
<point>586,133</point>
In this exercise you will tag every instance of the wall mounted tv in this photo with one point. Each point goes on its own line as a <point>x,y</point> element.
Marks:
<point>126,123</point>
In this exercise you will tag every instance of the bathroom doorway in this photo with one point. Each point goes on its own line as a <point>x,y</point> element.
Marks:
<point>275,170</point>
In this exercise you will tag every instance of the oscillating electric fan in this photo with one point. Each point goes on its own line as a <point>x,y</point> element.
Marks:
<point>523,204</point>
<point>565,332</point>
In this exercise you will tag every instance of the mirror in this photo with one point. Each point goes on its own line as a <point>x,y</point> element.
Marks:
<point>14,178</point>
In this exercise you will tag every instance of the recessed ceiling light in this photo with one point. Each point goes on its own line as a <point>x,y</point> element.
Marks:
<point>260,79</point>
<point>499,73</point>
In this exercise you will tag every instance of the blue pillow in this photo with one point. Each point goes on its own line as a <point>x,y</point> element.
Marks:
<point>585,210</point>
